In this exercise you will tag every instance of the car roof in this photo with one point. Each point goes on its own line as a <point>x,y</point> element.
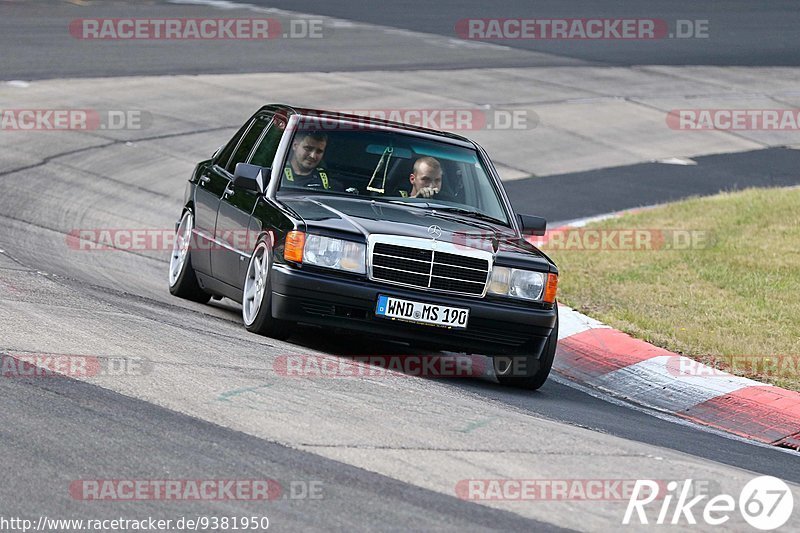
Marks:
<point>321,113</point>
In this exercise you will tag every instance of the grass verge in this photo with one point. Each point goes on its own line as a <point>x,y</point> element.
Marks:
<point>716,279</point>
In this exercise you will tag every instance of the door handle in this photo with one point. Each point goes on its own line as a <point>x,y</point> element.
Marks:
<point>204,180</point>
<point>228,192</point>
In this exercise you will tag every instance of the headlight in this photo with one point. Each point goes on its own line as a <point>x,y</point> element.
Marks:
<point>525,284</point>
<point>501,279</point>
<point>335,253</point>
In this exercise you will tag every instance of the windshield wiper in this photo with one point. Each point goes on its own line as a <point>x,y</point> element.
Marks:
<point>467,212</point>
<point>425,205</point>
<point>440,209</point>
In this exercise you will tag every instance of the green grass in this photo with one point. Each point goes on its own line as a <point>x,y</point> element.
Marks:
<point>736,294</point>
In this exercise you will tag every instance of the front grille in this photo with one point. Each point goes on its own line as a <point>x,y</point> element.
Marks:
<point>447,271</point>
<point>424,264</point>
<point>460,260</point>
<point>402,251</point>
<point>388,274</point>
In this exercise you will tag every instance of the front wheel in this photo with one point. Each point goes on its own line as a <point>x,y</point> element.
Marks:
<point>257,296</point>
<point>527,372</point>
<point>182,279</point>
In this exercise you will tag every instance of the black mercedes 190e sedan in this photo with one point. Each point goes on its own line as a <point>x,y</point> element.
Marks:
<point>393,230</point>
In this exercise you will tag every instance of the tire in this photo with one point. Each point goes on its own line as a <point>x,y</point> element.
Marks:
<point>182,279</point>
<point>257,296</point>
<point>534,380</point>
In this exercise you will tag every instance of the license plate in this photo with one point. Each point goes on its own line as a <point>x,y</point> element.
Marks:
<point>422,313</point>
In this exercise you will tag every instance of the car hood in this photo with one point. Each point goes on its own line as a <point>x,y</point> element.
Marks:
<point>325,213</point>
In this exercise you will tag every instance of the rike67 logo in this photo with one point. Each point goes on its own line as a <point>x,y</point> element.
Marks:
<point>765,503</point>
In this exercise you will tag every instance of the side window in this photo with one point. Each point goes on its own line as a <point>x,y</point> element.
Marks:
<point>246,144</point>
<point>266,150</point>
<point>226,152</point>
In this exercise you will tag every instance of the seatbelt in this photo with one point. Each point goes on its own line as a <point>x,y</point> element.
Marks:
<point>324,177</point>
<point>287,171</point>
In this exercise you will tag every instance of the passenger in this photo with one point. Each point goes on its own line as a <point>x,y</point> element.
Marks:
<point>304,169</point>
<point>426,179</point>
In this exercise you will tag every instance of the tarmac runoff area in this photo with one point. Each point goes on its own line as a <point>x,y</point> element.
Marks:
<point>545,121</point>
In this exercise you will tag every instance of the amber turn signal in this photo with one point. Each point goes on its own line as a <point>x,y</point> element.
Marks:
<point>295,241</point>
<point>551,288</point>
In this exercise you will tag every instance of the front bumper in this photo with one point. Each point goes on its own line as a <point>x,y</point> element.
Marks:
<point>494,327</point>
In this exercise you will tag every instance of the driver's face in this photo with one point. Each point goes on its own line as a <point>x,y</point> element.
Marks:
<point>426,177</point>
<point>307,153</point>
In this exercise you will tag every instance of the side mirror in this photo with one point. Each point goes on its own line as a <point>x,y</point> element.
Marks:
<point>533,225</point>
<point>251,177</point>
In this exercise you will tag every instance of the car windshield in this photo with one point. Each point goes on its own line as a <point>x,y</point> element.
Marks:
<point>378,164</point>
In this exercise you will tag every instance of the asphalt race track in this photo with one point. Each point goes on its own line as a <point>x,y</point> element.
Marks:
<point>371,453</point>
